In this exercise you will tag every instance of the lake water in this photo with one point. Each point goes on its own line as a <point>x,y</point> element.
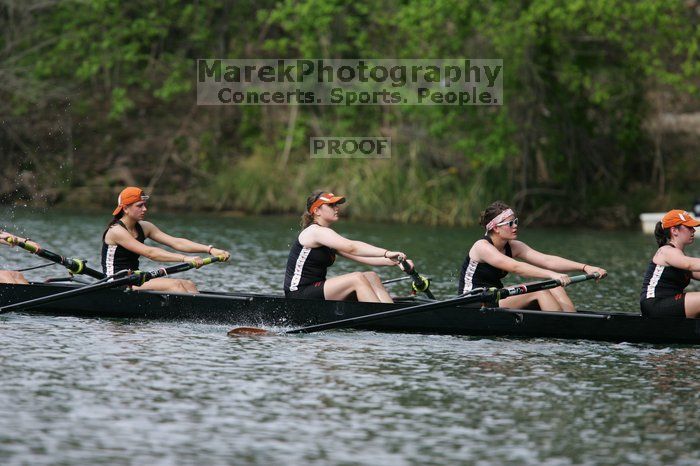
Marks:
<point>88,391</point>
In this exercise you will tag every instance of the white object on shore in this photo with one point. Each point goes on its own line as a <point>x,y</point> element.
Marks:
<point>649,220</point>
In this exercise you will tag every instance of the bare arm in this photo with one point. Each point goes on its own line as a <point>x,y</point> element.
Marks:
<point>676,258</point>
<point>379,261</point>
<point>315,236</point>
<point>4,236</point>
<point>120,236</point>
<point>180,244</point>
<point>484,251</point>
<point>551,262</point>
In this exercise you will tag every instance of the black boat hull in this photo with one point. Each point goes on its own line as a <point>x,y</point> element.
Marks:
<point>277,311</point>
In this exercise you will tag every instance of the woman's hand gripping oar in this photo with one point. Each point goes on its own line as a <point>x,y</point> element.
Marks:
<point>492,294</point>
<point>135,278</point>
<point>420,283</point>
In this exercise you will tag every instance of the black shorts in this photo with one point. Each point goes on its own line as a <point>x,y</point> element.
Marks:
<point>669,306</point>
<point>313,291</point>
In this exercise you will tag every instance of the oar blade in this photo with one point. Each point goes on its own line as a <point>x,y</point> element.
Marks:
<point>248,331</point>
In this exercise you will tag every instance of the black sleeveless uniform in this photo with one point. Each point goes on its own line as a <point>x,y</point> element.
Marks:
<point>306,271</point>
<point>480,274</point>
<point>663,291</point>
<point>116,258</point>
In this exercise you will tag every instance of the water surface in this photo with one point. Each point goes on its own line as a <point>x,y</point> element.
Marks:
<point>89,391</point>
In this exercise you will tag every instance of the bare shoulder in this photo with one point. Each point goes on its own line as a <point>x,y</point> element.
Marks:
<point>115,232</point>
<point>316,235</point>
<point>664,253</point>
<point>147,227</point>
<point>517,247</point>
<point>308,235</point>
<point>480,247</point>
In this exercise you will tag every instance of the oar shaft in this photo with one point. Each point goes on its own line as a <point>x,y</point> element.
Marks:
<point>76,266</point>
<point>394,280</point>
<point>487,294</point>
<point>383,315</point>
<point>539,286</point>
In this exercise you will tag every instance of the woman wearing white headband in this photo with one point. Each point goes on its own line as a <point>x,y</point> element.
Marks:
<point>491,258</point>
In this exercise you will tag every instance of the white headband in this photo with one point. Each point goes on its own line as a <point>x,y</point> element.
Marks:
<point>498,219</point>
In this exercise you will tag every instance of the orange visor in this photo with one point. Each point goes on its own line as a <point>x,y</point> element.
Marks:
<point>325,198</point>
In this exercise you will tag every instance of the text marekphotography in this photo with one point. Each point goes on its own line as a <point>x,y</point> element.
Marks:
<point>350,147</point>
<point>463,81</point>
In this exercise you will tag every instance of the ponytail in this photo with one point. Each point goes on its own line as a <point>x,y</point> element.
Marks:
<point>115,219</point>
<point>662,235</point>
<point>307,218</point>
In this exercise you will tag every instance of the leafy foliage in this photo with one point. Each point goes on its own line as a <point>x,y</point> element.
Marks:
<point>114,81</point>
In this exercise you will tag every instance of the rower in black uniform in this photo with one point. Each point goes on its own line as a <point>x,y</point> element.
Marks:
<point>116,257</point>
<point>315,250</point>
<point>123,244</point>
<point>669,272</point>
<point>476,274</point>
<point>492,257</point>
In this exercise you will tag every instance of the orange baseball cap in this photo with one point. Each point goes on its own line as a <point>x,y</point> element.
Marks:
<point>325,198</point>
<point>127,197</point>
<point>678,217</point>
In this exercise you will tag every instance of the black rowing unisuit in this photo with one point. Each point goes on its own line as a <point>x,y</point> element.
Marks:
<point>476,274</point>
<point>306,266</point>
<point>116,258</point>
<point>661,281</point>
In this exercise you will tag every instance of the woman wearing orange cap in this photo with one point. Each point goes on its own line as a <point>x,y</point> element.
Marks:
<point>10,276</point>
<point>491,258</point>
<point>670,270</point>
<point>315,249</point>
<point>123,243</point>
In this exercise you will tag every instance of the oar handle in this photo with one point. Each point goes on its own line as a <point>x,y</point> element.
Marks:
<point>187,266</point>
<point>539,286</point>
<point>583,278</point>
<point>15,241</point>
<point>420,283</point>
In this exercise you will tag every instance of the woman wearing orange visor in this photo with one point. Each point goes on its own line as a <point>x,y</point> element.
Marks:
<point>670,270</point>
<point>315,249</point>
<point>123,244</point>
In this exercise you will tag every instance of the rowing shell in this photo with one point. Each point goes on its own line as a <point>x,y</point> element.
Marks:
<point>276,311</point>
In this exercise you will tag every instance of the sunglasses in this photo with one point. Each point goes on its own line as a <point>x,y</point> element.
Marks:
<point>510,223</point>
